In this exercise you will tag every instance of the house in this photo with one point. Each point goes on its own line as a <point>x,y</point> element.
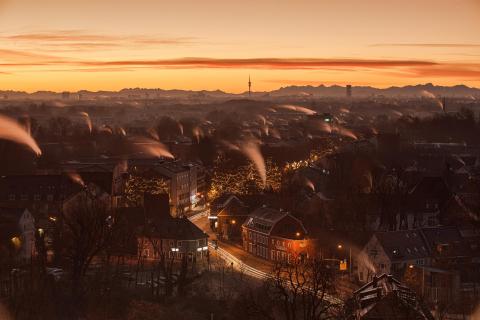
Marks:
<point>441,259</point>
<point>165,236</point>
<point>274,235</point>
<point>186,181</point>
<point>45,193</point>
<point>384,297</point>
<point>427,199</point>
<point>218,204</point>
<point>391,252</point>
<point>230,219</point>
<point>17,234</point>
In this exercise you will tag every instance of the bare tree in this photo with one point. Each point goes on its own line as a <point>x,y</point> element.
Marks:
<point>300,289</point>
<point>88,229</point>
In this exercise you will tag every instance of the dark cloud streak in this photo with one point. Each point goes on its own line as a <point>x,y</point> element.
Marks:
<point>428,45</point>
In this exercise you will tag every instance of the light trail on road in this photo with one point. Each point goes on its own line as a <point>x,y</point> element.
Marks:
<point>244,268</point>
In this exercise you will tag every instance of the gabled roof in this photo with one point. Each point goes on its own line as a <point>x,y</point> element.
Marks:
<point>403,245</point>
<point>233,207</point>
<point>175,228</point>
<point>431,188</point>
<point>446,242</point>
<point>382,297</point>
<point>266,219</point>
<point>222,200</point>
<point>160,224</point>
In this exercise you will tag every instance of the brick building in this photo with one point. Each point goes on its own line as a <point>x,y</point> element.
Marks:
<point>274,235</point>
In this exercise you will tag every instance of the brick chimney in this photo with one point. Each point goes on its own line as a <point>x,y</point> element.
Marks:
<point>156,206</point>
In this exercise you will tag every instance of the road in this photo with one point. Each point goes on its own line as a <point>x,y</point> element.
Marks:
<point>237,257</point>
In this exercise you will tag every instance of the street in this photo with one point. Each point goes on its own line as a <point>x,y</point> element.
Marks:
<point>238,258</point>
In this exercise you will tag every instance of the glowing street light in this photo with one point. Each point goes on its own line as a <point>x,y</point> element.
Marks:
<point>16,242</point>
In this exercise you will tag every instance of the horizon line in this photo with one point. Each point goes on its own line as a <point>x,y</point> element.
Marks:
<point>243,92</point>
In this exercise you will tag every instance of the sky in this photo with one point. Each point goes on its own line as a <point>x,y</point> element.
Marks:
<point>216,44</point>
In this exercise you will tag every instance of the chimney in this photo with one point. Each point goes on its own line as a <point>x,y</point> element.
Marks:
<point>374,281</point>
<point>156,205</point>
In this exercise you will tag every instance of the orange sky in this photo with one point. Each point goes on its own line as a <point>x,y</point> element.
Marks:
<point>215,44</point>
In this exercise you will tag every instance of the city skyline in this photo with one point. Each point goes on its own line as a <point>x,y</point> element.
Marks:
<point>71,46</point>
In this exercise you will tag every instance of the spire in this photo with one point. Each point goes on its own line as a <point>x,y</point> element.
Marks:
<point>249,86</point>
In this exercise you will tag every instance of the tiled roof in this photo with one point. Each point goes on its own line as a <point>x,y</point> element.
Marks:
<point>403,245</point>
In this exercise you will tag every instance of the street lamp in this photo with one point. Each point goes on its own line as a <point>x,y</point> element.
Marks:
<point>297,234</point>
<point>340,247</point>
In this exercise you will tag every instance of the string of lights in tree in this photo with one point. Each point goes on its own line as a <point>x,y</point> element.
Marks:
<point>137,185</point>
<point>242,179</point>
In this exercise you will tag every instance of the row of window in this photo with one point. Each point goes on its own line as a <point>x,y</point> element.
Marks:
<point>25,197</point>
<point>276,255</point>
<point>171,243</point>
<point>255,237</point>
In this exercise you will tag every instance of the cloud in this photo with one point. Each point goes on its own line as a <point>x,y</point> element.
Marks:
<point>80,40</point>
<point>263,63</point>
<point>464,71</point>
<point>428,45</point>
<point>448,71</point>
<point>19,54</point>
<point>401,68</point>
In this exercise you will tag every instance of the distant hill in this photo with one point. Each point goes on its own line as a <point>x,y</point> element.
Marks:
<point>312,91</point>
<point>363,91</point>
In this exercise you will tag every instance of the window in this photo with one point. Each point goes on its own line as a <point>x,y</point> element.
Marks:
<point>50,197</point>
<point>272,254</point>
<point>24,197</point>
<point>179,244</point>
<point>11,197</point>
<point>36,197</point>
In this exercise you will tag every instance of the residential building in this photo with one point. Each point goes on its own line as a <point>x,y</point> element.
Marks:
<point>172,237</point>
<point>17,234</point>
<point>274,235</point>
<point>231,218</point>
<point>186,181</point>
<point>384,297</point>
<point>392,252</point>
